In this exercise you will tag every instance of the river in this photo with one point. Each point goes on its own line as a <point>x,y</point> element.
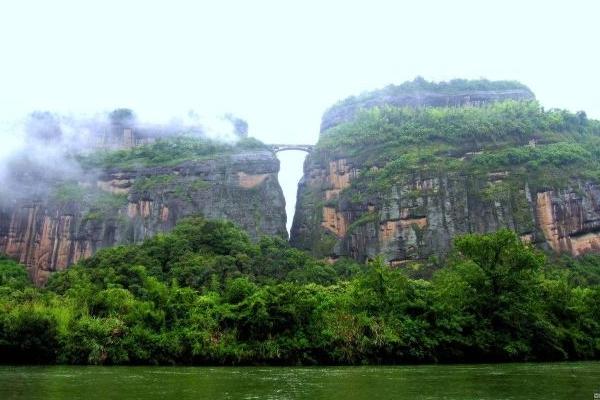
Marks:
<point>578,380</point>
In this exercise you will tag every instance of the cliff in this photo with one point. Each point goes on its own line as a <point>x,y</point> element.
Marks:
<point>116,201</point>
<point>403,181</point>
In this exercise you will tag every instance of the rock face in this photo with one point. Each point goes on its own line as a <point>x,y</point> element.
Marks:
<point>419,219</point>
<point>47,234</point>
<point>462,161</point>
<point>570,220</point>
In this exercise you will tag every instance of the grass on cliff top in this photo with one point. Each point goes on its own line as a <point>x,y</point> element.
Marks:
<point>419,84</point>
<point>473,141</point>
<point>464,127</point>
<point>496,135</point>
<point>167,152</point>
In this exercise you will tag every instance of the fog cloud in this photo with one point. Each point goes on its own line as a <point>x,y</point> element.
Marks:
<point>38,150</point>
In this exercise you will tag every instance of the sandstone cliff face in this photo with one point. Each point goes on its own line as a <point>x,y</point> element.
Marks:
<point>418,219</point>
<point>49,235</point>
<point>570,220</point>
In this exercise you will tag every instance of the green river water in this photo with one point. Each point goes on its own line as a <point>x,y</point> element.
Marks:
<point>489,381</point>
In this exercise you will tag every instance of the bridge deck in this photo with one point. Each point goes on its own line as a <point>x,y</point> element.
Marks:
<point>283,147</point>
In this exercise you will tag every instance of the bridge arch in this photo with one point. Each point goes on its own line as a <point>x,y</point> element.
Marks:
<point>285,147</point>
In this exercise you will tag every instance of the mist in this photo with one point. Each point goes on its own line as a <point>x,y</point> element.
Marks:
<point>40,148</point>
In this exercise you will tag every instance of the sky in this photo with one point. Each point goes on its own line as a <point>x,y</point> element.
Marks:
<point>280,64</point>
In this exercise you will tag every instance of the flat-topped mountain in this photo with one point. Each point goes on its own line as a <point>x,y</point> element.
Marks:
<point>403,170</point>
<point>52,216</point>
<point>420,93</point>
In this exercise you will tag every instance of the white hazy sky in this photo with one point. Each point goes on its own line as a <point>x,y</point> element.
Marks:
<point>279,64</point>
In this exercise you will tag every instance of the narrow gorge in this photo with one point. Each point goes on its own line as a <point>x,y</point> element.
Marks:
<point>397,172</point>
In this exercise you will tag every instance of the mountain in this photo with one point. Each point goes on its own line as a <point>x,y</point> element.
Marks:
<point>398,172</point>
<point>51,216</point>
<point>401,171</point>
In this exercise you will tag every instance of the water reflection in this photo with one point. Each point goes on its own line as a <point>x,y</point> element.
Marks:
<point>503,381</point>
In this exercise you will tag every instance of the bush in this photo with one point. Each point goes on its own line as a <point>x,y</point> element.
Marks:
<point>204,294</point>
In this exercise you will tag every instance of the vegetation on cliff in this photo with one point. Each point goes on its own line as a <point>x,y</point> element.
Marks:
<point>510,123</point>
<point>205,294</point>
<point>420,85</point>
<point>516,136</point>
<point>167,152</point>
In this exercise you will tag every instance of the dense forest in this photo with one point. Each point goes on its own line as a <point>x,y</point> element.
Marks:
<point>519,136</point>
<point>206,294</point>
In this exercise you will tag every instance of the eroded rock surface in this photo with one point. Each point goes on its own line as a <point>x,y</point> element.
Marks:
<point>48,235</point>
<point>418,219</point>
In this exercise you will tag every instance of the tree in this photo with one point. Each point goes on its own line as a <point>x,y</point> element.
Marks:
<point>495,279</point>
<point>13,274</point>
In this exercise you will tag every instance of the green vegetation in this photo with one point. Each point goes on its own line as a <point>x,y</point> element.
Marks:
<point>12,274</point>
<point>491,126</point>
<point>98,204</point>
<point>68,192</point>
<point>393,146</point>
<point>102,205</point>
<point>419,84</point>
<point>363,220</point>
<point>198,184</point>
<point>205,294</point>
<point>166,152</point>
<point>554,155</point>
<point>148,183</point>
<point>181,187</point>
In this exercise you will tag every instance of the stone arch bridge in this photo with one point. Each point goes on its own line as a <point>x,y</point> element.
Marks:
<point>285,147</point>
